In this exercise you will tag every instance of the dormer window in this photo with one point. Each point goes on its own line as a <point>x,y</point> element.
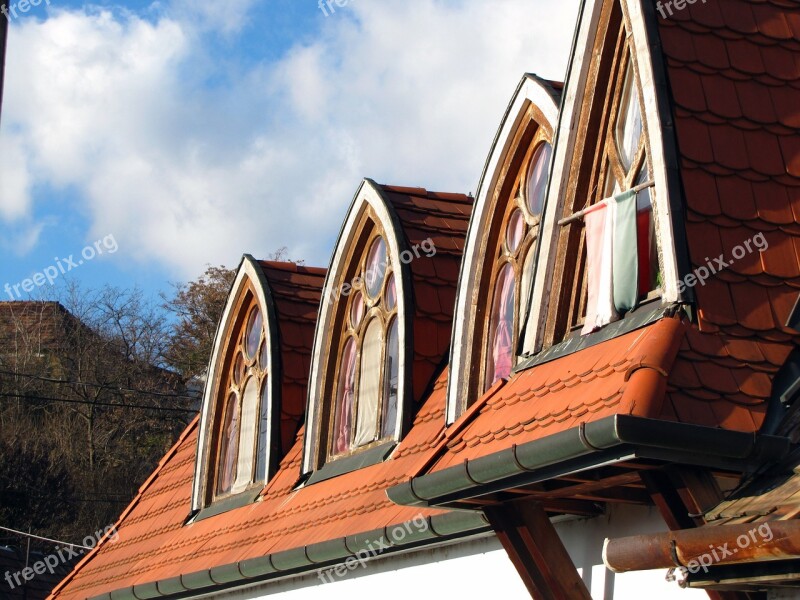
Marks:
<point>609,233</point>
<point>241,451</point>
<point>366,396</point>
<point>239,441</point>
<point>514,263</point>
<point>491,323</point>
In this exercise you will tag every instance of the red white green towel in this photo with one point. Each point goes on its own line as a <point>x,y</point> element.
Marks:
<point>611,260</point>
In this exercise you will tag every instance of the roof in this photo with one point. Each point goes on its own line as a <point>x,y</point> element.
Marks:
<point>154,545</point>
<point>734,83</point>
<point>443,219</point>
<point>13,560</point>
<point>733,79</point>
<point>296,291</point>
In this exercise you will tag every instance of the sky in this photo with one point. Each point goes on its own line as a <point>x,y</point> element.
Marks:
<point>142,141</point>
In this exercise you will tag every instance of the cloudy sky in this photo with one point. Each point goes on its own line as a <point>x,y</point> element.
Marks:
<point>193,132</point>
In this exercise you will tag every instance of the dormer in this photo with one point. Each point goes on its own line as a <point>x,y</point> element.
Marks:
<point>503,242</point>
<point>254,398</point>
<point>384,325</point>
<point>611,241</point>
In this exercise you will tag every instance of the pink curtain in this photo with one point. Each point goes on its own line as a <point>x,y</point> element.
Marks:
<point>229,450</point>
<point>343,429</point>
<point>502,350</point>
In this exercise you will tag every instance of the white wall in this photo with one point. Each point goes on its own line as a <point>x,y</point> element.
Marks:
<point>480,569</point>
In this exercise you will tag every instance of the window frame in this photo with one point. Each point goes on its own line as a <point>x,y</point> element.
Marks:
<point>373,310</point>
<point>567,317</point>
<point>516,200</point>
<point>568,178</point>
<point>533,111</point>
<point>368,213</point>
<point>249,290</point>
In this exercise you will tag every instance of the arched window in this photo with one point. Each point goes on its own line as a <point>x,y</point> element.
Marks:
<point>609,235</point>
<point>239,444</point>
<point>242,411</point>
<point>365,412</point>
<point>514,263</point>
<point>492,323</point>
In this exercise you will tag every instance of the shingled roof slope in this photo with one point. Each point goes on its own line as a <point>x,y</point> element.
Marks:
<point>443,219</point>
<point>734,80</point>
<point>296,290</point>
<point>154,544</point>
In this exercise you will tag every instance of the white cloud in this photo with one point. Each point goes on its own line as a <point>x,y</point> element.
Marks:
<point>405,92</point>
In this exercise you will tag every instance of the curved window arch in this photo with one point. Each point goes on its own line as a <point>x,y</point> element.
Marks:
<point>365,410</point>
<point>360,386</point>
<point>492,321</point>
<point>512,273</point>
<point>236,427</point>
<point>605,254</point>
<point>239,453</point>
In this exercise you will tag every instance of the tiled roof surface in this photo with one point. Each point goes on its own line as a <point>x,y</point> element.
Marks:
<point>296,291</point>
<point>154,544</point>
<point>444,219</point>
<point>734,76</point>
<point>624,376</point>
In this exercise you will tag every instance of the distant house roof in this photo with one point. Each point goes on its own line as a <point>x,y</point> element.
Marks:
<point>15,559</point>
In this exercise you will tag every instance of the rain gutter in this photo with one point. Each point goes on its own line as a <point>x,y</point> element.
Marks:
<point>607,441</point>
<point>305,559</point>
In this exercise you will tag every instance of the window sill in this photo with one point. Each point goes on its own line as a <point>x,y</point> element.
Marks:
<point>354,462</point>
<point>224,505</point>
<point>643,316</point>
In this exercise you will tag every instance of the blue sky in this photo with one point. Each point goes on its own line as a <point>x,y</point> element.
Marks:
<point>193,132</point>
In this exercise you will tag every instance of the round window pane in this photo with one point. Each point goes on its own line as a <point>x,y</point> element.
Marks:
<point>537,178</point>
<point>253,333</point>
<point>515,231</point>
<point>391,293</point>
<point>375,268</point>
<point>356,310</point>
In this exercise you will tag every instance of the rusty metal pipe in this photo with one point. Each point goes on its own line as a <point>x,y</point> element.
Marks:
<point>696,549</point>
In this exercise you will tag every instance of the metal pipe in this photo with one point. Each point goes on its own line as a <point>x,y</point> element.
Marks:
<point>580,214</point>
<point>705,546</point>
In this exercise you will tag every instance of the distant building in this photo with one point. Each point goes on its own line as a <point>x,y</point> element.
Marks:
<point>480,392</point>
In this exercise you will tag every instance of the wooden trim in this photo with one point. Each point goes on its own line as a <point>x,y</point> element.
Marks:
<point>369,230</point>
<point>532,108</point>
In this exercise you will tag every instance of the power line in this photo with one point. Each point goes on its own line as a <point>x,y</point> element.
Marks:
<point>98,385</point>
<point>44,539</point>
<point>86,402</point>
